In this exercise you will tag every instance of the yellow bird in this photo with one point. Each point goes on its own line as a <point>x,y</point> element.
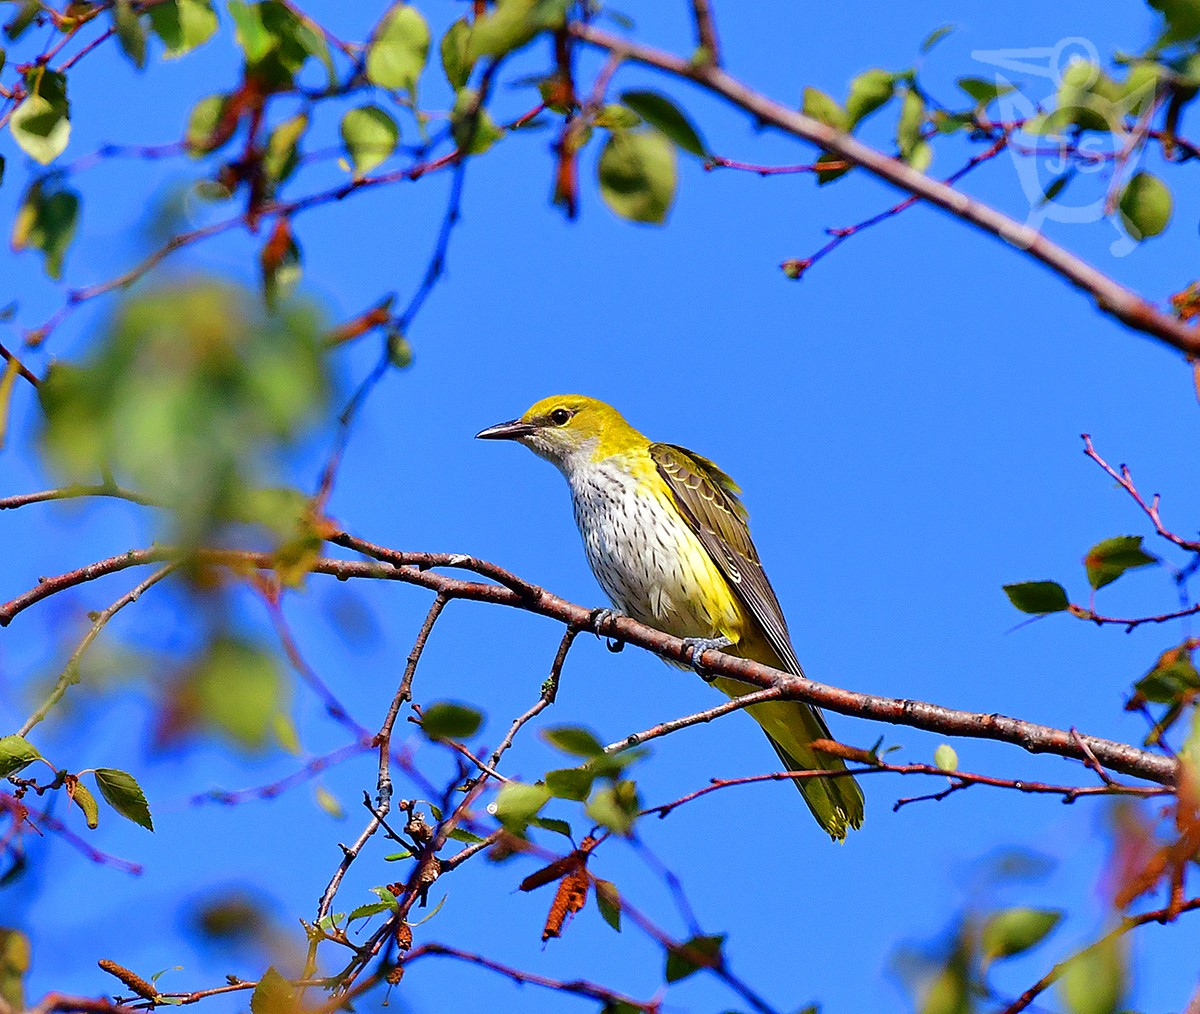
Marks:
<point>667,538</point>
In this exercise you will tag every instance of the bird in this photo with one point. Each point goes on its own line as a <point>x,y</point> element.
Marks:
<point>667,537</point>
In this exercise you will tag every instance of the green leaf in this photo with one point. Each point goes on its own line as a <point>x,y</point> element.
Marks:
<point>447,720</point>
<point>41,124</point>
<point>1145,205</point>
<point>608,900</point>
<point>238,690</point>
<point>1182,19</point>
<point>1108,560</point>
<point>274,995</point>
<point>518,803</point>
<point>386,898</point>
<point>615,806</point>
<point>638,175</point>
<point>281,274</point>
<point>949,990</point>
<point>1055,187</point>
<point>823,107</point>
<point>614,116</point>
<point>909,129</point>
<point>552,824</point>
<point>1173,677</point>
<point>829,175</point>
<point>570,783</point>
<point>370,909</point>
<point>131,32</point>
<point>692,955</point>
<point>397,856</point>
<point>1016,930</point>
<point>573,739</point>
<point>936,36</point>
<point>370,136</point>
<point>208,128</point>
<point>456,61</point>
<point>398,50</point>
<point>283,154</point>
<point>945,758</point>
<point>464,836</point>
<point>330,803</point>
<point>1094,981</point>
<point>868,91</point>
<point>983,91</point>
<point>1038,596</point>
<point>659,111</point>
<point>183,24</point>
<point>512,24</point>
<point>15,959</point>
<point>472,126</point>
<point>46,221</point>
<point>122,792</point>
<point>16,752</point>
<point>83,797</point>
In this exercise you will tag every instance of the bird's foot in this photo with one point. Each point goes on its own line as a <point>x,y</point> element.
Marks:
<point>598,619</point>
<point>697,646</point>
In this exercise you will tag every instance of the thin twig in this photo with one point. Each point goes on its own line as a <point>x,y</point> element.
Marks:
<point>737,704</point>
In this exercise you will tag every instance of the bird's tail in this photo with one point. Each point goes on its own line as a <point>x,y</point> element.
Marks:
<point>791,726</point>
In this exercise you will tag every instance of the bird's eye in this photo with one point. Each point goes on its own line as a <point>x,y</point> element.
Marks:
<point>560,417</point>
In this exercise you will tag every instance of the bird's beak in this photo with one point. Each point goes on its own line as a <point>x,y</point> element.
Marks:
<point>513,430</point>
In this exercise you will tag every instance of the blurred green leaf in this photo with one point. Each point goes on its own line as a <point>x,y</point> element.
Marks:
<point>131,32</point>
<point>276,41</point>
<point>552,824</point>
<point>1094,981</point>
<point>945,757</point>
<point>608,900</point>
<point>473,128</point>
<point>274,995</point>
<point>573,739</point>
<point>1038,596</point>
<point>209,128</point>
<point>183,24</point>
<point>370,135</point>
<point>660,112</point>
<point>512,24</point>
<point>1016,930</point>
<point>41,124</point>
<point>282,264</point>
<point>570,783</point>
<point>46,221</point>
<point>1108,560</point>
<point>447,720</point>
<point>15,959</point>
<point>821,106</point>
<point>868,91</point>
<point>637,173</point>
<point>936,36</point>
<point>984,91</point>
<point>615,806</point>
<point>122,792</point>
<point>1146,205</point>
<point>16,752</point>
<point>283,153</point>
<point>518,803</point>
<point>398,50</point>
<point>949,991</point>
<point>330,803</point>
<point>692,955</point>
<point>914,149</point>
<point>1181,17</point>
<point>238,689</point>
<point>456,61</point>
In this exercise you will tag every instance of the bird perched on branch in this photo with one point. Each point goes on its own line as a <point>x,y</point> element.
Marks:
<point>668,540</point>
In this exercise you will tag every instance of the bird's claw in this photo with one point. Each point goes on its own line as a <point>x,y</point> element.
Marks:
<point>598,619</point>
<point>697,646</point>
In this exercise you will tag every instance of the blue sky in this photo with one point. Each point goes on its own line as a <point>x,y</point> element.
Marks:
<point>905,425</point>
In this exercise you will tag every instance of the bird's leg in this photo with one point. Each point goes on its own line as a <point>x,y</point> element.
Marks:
<point>598,619</point>
<point>697,646</point>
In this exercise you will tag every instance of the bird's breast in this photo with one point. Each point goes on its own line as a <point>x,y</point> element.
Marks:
<point>646,557</point>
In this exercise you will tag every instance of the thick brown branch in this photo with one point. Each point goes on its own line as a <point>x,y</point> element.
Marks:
<point>1029,736</point>
<point>1113,298</point>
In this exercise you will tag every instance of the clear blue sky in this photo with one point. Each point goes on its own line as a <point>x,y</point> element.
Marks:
<point>905,424</point>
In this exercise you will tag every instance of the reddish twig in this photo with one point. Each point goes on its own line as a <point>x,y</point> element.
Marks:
<point>1124,479</point>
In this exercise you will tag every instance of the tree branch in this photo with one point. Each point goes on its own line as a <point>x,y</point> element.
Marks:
<point>1126,305</point>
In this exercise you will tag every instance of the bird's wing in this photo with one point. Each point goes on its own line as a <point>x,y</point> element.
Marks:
<point>708,500</point>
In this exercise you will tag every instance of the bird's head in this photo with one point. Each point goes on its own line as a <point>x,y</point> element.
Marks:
<point>569,430</point>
